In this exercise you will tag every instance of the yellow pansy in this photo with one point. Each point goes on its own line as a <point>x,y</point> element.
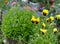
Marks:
<point>44,31</point>
<point>33,19</point>
<point>43,25</point>
<point>37,20</point>
<point>57,16</point>
<point>47,19</point>
<point>55,30</point>
<point>45,12</point>
<point>51,18</point>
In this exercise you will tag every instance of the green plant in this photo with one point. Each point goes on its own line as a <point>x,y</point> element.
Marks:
<point>17,23</point>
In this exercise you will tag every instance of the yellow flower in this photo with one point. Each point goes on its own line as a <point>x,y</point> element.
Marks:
<point>33,19</point>
<point>58,17</point>
<point>45,12</point>
<point>55,30</point>
<point>44,31</point>
<point>43,25</point>
<point>37,20</point>
<point>51,18</point>
<point>47,19</point>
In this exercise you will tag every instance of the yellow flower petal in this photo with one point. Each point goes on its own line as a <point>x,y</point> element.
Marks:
<point>55,30</point>
<point>44,31</point>
<point>45,12</point>
<point>43,25</point>
<point>58,16</point>
<point>33,18</point>
<point>38,19</point>
<point>51,18</point>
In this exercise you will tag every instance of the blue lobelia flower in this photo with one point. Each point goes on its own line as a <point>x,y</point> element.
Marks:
<point>39,13</point>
